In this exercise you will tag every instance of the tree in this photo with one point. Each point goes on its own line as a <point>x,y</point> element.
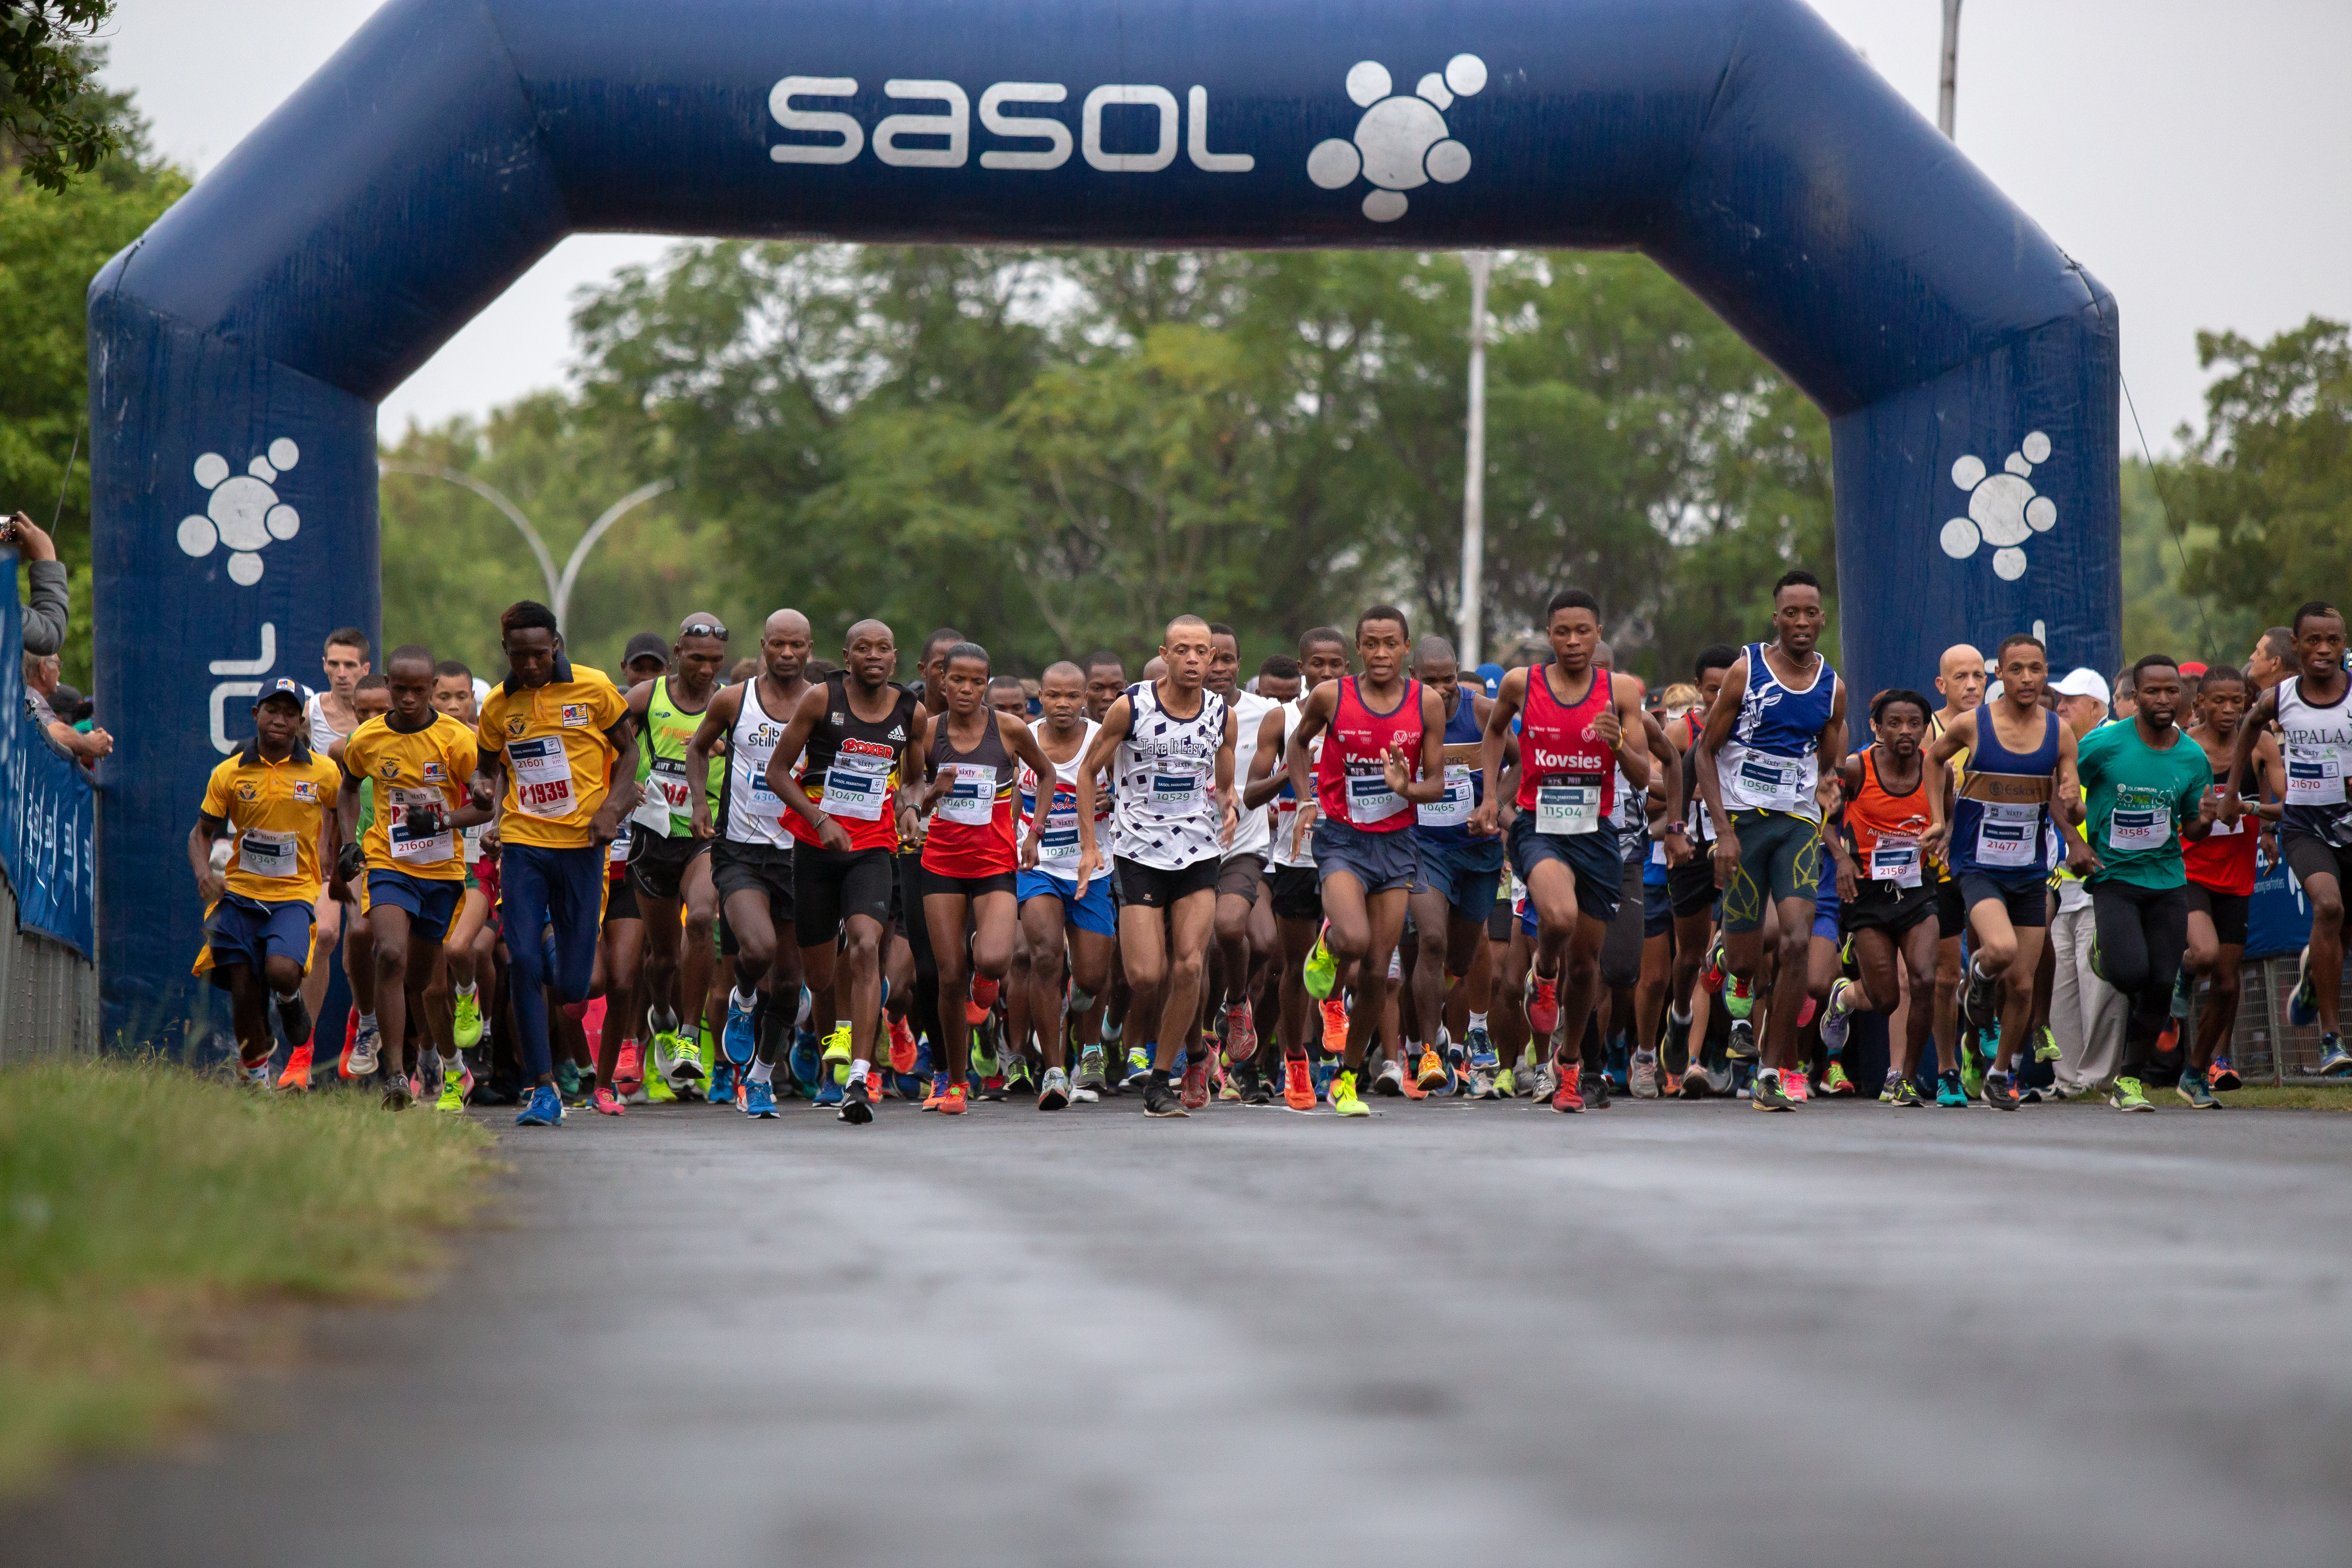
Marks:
<point>53,124</point>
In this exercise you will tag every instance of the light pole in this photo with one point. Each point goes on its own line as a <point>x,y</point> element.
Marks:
<point>1947,100</point>
<point>559,586</point>
<point>1474,467</point>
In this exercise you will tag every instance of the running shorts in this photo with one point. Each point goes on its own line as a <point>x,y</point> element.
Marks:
<point>621,900</point>
<point>1591,857</point>
<point>246,931</point>
<point>753,868</point>
<point>2307,855</point>
<point>1690,886</point>
<point>1155,888</point>
<point>1780,858</point>
<point>2026,900</point>
<point>1238,876</point>
<point>1470,875</point>
<point>1952,909</point>
<point>1890,907</point>
<point>432,905</point>
<point>657,865</point>
<point>830,886</point>
<point>2227,911</point>
<point>968,887</point>
<point>1657,910</point>
<point>1382,862</point>
<point>1295,892</point>
<point>1094,914</point>
<point>1621,949</point>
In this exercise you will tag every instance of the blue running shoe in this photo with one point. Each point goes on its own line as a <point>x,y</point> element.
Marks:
<point>2335,1061</point>
<point>828,1094</point>
<point>1323,1072</point>
<point>737,1040</point>
<point>2303,1006</point>
<point>1482,1051</point>
<point>804,1063</point>
<point>544,1108</point>
<point>722,1084</point>
<point>760,1099</point>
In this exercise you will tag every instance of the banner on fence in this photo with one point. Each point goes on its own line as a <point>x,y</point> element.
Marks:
<point>48,808</point>
<point>2277,918</point>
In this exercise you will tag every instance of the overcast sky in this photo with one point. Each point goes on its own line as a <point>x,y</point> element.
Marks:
<point>2193,155</point>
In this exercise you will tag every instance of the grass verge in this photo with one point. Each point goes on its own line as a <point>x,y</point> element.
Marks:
<point>2293,1097</point>
<point>151,1218</point>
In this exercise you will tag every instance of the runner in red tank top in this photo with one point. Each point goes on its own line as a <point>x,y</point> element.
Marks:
<point>1579,725</point>
<point>1384,754</point>
<point>2220,868</point>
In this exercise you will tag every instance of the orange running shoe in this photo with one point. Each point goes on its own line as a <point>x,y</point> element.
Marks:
<point>872,1089</point>
<point>1297,1084</point>
<point>297,1075</point>
<point>1568,1098</point>
<point>1196,1081</point>
<point>981,1002</point>
<point>1334,1025</point>
<point>938,1094</point>
<point>902,1048</point>
<point>1432,1075</point>
<point>952,1103</point>
<point>629,1073</point>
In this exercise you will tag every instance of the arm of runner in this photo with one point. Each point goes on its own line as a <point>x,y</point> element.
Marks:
<point>1622,727</point>
<point>1263,785</point>
<point>2081,859</point>
<point>2256,726</point>
<point>1312,721</point>
<point>1829,743</point>
<point>620,798</point>
<point>1229,805</point>
<point>804,720</point>
<point>1661,753</point>
<point>1022,741</point>
<point>1429,787</point>
<point>1717,729</point>
<point>1957,735</point>
<point>1098,754</point>
<point>717,720</point>
<point>331,842</point>
<point>209,882</point>
<point>1486,820</point>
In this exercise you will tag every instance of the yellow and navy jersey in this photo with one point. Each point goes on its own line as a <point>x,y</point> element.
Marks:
<point>559,765</point>
<point>276,808</point>
<point>431,767</point>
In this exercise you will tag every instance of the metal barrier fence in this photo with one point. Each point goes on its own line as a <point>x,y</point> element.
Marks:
<point>2264,1046</point>
<point>48,993</point>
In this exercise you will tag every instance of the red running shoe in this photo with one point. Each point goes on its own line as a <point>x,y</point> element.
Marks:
<point>1569,1099</point>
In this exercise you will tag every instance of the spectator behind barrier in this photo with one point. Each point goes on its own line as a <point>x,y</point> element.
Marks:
<point>41,685</point>
<point>47,611</point>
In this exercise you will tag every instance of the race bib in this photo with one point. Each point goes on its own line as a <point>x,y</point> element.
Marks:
<point>1567,809</point>
<point>1453,808</point>
<point>1058,839</point>
<point>542,776</point>
<point>857,787</point>
<point>2008,836</point>
<point>271,854</point>
<point>1371,800</point>
<point>1170,790</point>
<point>1895,858</point>
<point>2139,828</point>
<point>2319,782</point>
<point>971,795</point>
<point>1775,783</point>
<point>411,845</point>
<point>617,852</point>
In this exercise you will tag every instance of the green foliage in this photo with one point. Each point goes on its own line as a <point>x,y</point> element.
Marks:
<point>53,124</point>
<point>2270,479</point>
<point>2161,615</point>
<point>51,244</point>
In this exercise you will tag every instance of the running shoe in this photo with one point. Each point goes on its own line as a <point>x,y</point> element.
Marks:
<point>2045,1043</point>
<point>1334,1025</point>
<point>1160,1099</point>
<point>2302,1003</point>
<point>1241,1032</point>
<point>1835,1084</point>
<point>1710,972</point>
<point>1261,1086</point>
<point>629,1071</point>
<point>1796,1085</point>
<point>1090,1071</point>
<point>1805,1014</point>
<point>1695,1084</point>
<point>1999,1091</point>
<point>858,1104</point>
<point>1506,1084</point>
<point>658,1091</point>
<point>951,1103</point>
<point>1320,973</point>
<point>1138,1067</point>
<point>2168,1039</point>
<point>1907,1093</point>
<point>1950,1093</point>
<point>468,1020</point>
<point>360,1049</point>
<point>1546,1081</point>
<point>2222,1078</point>
<point>455,1087</point>
<point>1543,1005</point>
<point>1837,1023</point>
<point>1344,1097</point>
<point>757,1099</point>
<point>1053,1094</point>
<point>837,1048</point>
<point>1645,1075</point>
<point>2127,1095</point>
<point>1769,1093</point>
<point>544,1109</point>
<point>2334,1059</point>
<point>399,1094</point>
<point>1568,1097</point>
<point>735,1037</point>
<point>980,1001</point>
<point>685,1060</point>
<point>1977,998</point>
<point>902,1046</point>
<point>1196,1081</point>
<point>2182,984</point>
<point>1972,1070</point>
<point>2194,1089</point>
<point>1886,1089</point>
<point>1595,1088</point>
<point>1739,997</point>
<point>1481,1047</point>
<point>828,1094</point>
<point>1431,1076</point>
<point>1482,1084</point>
<point>257,1076</point>
<point>1297,1084</point>
<point>1391,1080</point>
<point>1742,1047</point>
<point>297,1075</point>
<point>938,1091</point>
<point>607,1102</point>
<point>723,1083</point>
<point>567,1080</point>
<point>1233,1084</point>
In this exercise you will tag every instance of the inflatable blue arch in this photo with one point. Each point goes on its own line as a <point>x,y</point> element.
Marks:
<point>238,351</point>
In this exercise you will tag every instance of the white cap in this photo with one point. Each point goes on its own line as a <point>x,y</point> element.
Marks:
<point>2083,681</point>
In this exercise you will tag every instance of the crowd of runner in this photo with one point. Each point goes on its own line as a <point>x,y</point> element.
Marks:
<point>1358,871</point>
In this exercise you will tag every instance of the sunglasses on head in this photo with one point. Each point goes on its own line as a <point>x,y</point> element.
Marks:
<point>702,629</point>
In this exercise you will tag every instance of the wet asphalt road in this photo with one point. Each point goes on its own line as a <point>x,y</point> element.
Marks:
<point>1457,1334</point>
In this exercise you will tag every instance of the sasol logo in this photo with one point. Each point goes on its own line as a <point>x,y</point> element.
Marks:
<point>942,139</point>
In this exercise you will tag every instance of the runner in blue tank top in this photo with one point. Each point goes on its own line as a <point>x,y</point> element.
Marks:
<point>1781,711</point>
<point>2021,760</point>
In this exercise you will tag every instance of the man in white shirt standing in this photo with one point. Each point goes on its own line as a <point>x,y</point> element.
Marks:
<point>2087,1014</point>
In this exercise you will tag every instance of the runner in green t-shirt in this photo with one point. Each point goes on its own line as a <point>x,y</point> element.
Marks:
<point>2146,786</point>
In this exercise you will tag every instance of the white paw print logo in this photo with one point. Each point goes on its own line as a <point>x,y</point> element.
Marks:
<point>2003,508</point>
<point>1400,143</point>
<point>244,514</point>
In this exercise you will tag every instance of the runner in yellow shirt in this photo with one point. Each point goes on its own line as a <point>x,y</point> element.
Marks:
<point>562,754</point>
<point>422,762</point>
<point>279,796</point>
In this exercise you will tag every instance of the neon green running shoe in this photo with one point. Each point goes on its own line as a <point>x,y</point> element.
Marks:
<point>2046,1045</point>
<point>1972,1074</point>
<point>453,1090</point>
<point>2129,1096</point>
<point>1321,972</point>
<point>1506,1085</point>
<point>1344,1099</point>
<point>837,1045</point>
<point>469,1021</point>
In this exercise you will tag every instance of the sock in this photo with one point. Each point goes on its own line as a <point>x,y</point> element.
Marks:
<point>1160,1076</point>
<point>762,1071</point>
<point>1477,1020</point>
<point>858,1067</point>
<point>1680,1016</point>
<point>465,989</point>
<point>1976,968</point>
<point>367,1022</point>
<point>282,997</point>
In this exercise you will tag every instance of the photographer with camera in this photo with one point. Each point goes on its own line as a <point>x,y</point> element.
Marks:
<point>50,605</point>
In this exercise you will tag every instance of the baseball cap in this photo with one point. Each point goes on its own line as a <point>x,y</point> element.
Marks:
<point>282,687</point>
<point>2192,668</point>
<point>2083,681</point>
<point>646,645</point>
<point>1490,676</point>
